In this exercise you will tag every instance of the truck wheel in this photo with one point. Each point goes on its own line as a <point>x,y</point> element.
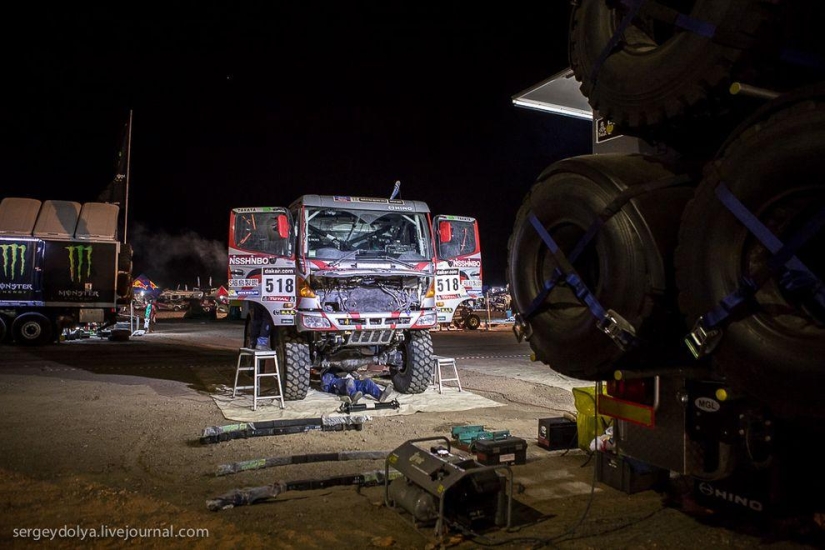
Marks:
<point>415,375</point>
<point>673,71</point>
<point>32,329</point>
<point>472,322</point>
<point>294,361</point>
<point>2,329</point>
<point>625,266</point>
<point>774,349</point>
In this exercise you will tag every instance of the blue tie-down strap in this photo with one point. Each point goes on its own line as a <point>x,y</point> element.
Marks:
<point>794,276</point>
<point>657,11</point>
<point>608,321</point>
<point>606,214</point>
<point>634,6</point>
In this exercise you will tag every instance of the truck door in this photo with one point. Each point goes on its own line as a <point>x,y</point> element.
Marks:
<point>458,270</point>
<point>262,260</point>
<point>458,245</point>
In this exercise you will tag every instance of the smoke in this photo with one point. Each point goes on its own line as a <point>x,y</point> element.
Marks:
<point>171,261</point>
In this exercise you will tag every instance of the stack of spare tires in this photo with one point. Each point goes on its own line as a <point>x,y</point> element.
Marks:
<point>666,255</point>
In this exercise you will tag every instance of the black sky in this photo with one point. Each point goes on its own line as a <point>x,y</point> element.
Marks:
<point>246,107</point>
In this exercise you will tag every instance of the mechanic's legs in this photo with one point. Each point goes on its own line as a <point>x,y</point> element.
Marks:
<point>372,389</point>
<point>263,341</point>
<point>340,386</point>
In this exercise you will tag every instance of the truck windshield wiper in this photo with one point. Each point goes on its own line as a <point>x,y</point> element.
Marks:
<point>348,255</point>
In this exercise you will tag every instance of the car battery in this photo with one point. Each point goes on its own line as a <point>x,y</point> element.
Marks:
<point>626,474</point>
<point>557,433</point>
<point>495,452</point>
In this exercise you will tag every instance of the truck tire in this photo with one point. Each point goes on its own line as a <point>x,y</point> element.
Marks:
<point>294,361</point>
<point>772,351</point>
<point>626,266</point>
<point>32,329</point>
<point>3,329</point>
<point>472,322</point>
<point>661,72</point>
<point>416,373</point>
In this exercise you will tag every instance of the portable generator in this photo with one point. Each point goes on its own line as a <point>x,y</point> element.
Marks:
<point>437,486</point>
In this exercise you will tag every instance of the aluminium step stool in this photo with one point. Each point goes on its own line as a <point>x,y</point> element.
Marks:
<point>258,358</point>
<point>439,364</point>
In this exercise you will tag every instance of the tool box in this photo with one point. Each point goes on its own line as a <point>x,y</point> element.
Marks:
<point>495,452</point>
<point>557,433</point>
<point>465,437</point>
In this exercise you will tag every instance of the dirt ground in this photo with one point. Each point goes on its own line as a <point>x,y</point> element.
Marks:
<point>104,436</point>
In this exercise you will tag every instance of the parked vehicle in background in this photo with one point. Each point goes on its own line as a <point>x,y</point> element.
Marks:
<point>61,266</point>
<point>167,304</point>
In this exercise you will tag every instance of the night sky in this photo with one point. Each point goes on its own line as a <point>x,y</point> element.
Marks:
<point>254,108</point>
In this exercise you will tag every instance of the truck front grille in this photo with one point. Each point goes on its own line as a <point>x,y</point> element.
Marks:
<point>370,337</point>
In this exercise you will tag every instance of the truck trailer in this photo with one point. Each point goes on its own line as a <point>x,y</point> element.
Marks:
<point>61,266</point>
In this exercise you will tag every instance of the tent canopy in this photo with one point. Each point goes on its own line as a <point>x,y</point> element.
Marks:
<point>144,284</point>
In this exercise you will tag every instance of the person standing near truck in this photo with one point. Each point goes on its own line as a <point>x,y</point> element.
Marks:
<point>260,328</point>
<point>150,316</point>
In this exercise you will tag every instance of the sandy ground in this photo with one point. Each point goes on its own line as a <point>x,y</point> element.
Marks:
<point>102,438</point>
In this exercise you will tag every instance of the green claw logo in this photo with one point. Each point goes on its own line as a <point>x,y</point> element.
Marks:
<point>14,255</point>
<point>80,256</point>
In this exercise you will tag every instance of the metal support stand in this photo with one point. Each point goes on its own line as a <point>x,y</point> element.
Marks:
<point>439,363</point>
<point>258,358</point>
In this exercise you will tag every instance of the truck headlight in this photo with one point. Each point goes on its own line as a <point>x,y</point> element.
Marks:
<point>312,321</point>
<point>426,319</point>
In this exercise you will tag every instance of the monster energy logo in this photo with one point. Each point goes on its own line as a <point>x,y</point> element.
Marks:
<point>14,257</point>
<point>80,257</point>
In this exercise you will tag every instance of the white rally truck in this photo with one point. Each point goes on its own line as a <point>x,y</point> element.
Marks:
<point>347,281</point>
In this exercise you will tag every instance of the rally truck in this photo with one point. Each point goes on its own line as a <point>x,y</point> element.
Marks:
<point>59,268</point>
<point>347,281</point>
<point>458,273</point>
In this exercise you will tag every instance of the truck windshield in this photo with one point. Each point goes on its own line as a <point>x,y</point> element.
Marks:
<point>333,233</point>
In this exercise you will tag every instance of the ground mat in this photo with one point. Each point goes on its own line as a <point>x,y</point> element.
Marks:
<point>317,404</point>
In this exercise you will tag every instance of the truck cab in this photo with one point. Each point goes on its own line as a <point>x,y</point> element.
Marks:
<point>458,274</point>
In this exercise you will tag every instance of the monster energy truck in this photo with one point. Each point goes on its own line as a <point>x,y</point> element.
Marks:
<point>59,267</point>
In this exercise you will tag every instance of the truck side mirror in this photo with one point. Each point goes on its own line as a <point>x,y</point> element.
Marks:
<point>445,231</point>
<point>283,226</point>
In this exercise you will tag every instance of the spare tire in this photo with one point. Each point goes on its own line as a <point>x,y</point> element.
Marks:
<point>774,350</point>
<point>626,266</point>
<point>660,72</point>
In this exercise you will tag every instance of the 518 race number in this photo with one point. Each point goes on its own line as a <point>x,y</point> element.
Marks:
<point>279,285</point>
<point>446,284</point>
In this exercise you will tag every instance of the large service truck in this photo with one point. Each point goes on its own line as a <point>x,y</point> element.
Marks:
<point>61,265</point>
<point>679,265</point>
<point>347,281</point>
